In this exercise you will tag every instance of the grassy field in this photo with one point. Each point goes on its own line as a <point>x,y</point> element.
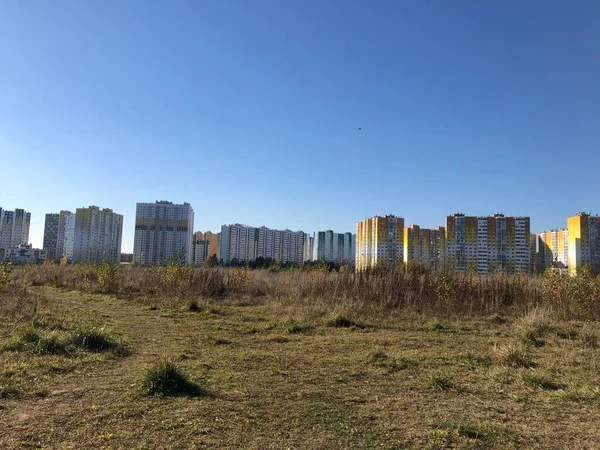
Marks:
<point>275,376</point>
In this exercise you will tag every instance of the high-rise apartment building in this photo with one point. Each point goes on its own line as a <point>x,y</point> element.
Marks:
<point>205,246</point>
<point>379,242</point>
<point>97,235</point>
<point>14,228</point>
<point>246,243</point>
<point>339,248</point>
<point>553,249</point>
<point>423,245</point>
<point>50,235</point>
<point>65,234</point>
<point>163,231</point>
<point>583,231</point>
<point>488,244</point>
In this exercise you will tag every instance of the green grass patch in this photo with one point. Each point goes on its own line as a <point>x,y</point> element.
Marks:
<point>166,379</point>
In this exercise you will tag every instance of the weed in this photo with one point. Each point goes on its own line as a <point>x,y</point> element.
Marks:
<point>166,379</point>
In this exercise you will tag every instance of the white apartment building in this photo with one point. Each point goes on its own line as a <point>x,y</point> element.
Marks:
<point>553,249</point>
<point>65,235</point>
<point>339,248</point>
<point>97,235</point>
<point>379,242</point>
<point>245,243</point>
<point>163,231</point>
<point>488,244</point>
<point>14,228</point>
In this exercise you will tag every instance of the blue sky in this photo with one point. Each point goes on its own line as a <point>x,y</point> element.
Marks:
<point>250,110</point>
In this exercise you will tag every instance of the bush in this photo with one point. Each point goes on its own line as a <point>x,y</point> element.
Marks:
<point>166,379</point>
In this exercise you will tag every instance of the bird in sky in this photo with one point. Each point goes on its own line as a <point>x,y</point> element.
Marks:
<point>359,129</point>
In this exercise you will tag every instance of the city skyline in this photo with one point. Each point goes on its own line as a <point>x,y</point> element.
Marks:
<point>309,116</point>
<point>37,240</point>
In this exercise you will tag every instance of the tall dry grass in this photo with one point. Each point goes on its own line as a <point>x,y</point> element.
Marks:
<point>413,289</point>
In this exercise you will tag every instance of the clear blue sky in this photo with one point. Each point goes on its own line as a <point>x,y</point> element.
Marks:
<point>250,109</point>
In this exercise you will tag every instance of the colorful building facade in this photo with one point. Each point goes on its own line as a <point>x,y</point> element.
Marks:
<point>205,246</point>
<point>488,244</point>
<point>423,245</point>
<point>379,242</point>
<point>553,249</point>
<point>583,231</point>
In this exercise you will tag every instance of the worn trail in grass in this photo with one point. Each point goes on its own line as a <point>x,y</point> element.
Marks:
<point>275,381</point>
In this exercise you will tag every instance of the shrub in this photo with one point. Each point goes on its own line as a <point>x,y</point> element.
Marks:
<point>166,379</point>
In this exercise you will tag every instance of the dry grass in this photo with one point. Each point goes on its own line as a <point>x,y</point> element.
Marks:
<point>280,377</point>
<point>414,289</point>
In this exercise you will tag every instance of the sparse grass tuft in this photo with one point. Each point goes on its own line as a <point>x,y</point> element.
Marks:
<point>541,382</point>
<point>95,340</point>
<point>453,435</point>
<point>434,325</point>
<point>339,321</point>
<point>382,360</point>
<point>511,356</point>
<point>194,306</point>
<point>221,341</point>
<point>497,319</point>
<point>442,382</point>
<point>166,379</point>
<point>295,327</point>
<point>51,345</point>
<point>588,338</point>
